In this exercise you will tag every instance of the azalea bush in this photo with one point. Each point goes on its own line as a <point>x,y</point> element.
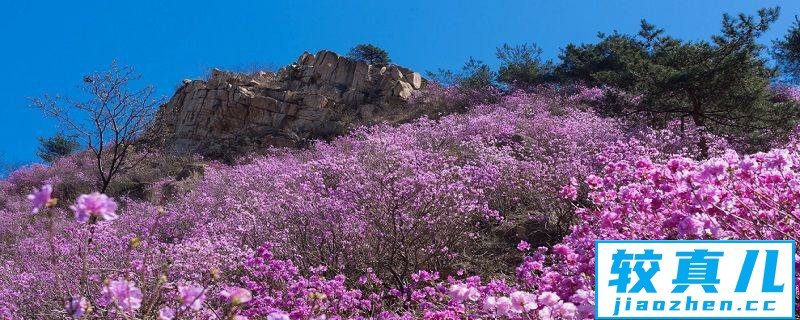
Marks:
<point>727,197</point>
<point>424,195</point>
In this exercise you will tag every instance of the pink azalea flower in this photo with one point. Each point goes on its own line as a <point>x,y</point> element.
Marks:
<point>503,306</point>
<point>41,198</point>
<point>94,204</point>
<point>522,301</point>
<point>523,246</point>
<point>690,226</point>
<point>489,304</point>
<point>76,307</point>
<point>458,292</point>
<point>191,296</point>
<point>166,313</point>
<point>236,296</point>
<point>570,191</point>
<point>124,293</point>
<point>549,299</point>
<point>278,316</point>
<point>566,310</point>
<point>473,294</point>
<point>546,313</point>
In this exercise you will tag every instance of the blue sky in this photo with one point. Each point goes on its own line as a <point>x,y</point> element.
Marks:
<point>49,45</point>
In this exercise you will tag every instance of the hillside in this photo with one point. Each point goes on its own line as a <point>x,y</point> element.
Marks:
<point>350,187</point>
<point>391,221</point>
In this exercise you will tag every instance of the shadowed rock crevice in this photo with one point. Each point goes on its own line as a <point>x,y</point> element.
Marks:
<point>318,97</point>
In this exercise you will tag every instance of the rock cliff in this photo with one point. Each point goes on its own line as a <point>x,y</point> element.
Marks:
<point>318,96</point>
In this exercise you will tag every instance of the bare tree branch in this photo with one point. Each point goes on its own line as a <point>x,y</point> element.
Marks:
<point>108,121</point>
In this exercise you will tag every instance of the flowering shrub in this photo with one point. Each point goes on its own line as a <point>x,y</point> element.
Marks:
<point>400,199</point>
<point>681,138</point>
<point>728,197</point>
<point>281,292</point>
<point>448,99</point>
<point>786,93</point>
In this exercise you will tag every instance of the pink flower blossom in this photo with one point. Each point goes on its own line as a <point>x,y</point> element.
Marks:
<point>566,310</point>
<point>489,304</point>
<point>570,191</point>
<point>191,296</point>
<point>166,313</point>
<point>713,169</point>
<point>594,181</point>
<point>503,306</point>
<point>278,316</point>
<point>236,295</point>
<point>124,294</point>
<point>94,204</point>
<point>460,292</point>
<point>76,307</point>
<point>523,246</point>
<point>549,299</point>
<point>41,198</point>
<point>545,313</point>
<point>522,301</point>
<point>690,226</point>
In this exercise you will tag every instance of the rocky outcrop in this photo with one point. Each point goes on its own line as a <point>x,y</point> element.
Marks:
<point>317,97</point>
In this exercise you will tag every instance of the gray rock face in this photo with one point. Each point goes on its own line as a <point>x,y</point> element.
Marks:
<point>317,97</point>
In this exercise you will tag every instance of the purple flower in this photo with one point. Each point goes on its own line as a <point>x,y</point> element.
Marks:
<point>503,306</point>
<point>94,204</point>
<point>566,310</point>
<point>124,293</point>
<point>489,304</point>
<point>690,226</point>
<point>570,191</point>
<point>278,316</point>
<point>41,198</point>
<point>549,299</point>
<point>191,296</point>
<point>166,313</point>
<point>459,293</point>
<point>522,301</point>
<point>523,246</point>
<point>473,294</point>
<point>713,169</point>
<point>76,307</point>
<point>236,296</point>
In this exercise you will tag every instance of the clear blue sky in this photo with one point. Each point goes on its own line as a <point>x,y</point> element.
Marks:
<point>49,45</point>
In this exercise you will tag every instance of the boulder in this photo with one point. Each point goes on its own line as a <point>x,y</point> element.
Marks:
<point>315,97</point>
<point>415,79</point>
<point>402,90</point>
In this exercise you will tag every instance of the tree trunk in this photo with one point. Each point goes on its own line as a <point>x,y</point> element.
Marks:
<point>697,118</point>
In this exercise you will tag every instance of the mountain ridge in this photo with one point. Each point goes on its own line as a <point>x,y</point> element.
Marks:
<point>317,97</point>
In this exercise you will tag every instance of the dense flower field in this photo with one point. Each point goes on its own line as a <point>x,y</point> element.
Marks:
<point>489,213</point>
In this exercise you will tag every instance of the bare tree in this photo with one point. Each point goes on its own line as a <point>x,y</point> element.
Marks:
<point>108,120</point>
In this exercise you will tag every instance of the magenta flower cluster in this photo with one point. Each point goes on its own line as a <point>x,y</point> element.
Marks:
<point>94,205</point>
